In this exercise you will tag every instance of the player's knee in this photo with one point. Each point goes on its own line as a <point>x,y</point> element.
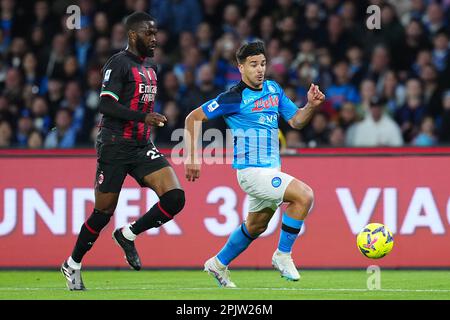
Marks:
<point>173,201</point>
<point>305,198</point>
<point>308,198</point>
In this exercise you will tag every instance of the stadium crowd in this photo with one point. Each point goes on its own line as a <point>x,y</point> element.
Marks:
<point>384,87</point>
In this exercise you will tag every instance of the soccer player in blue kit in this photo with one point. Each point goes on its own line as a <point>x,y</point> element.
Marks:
<point>251,110</point>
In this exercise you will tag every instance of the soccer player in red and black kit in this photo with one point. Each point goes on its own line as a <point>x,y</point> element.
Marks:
<point>124,147</point>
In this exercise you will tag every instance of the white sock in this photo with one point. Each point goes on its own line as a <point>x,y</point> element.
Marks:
<point>73,264</point>
<point>128,234</point>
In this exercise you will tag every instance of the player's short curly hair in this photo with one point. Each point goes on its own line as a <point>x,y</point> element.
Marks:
<point>133,21</point>
<point>250,49</point>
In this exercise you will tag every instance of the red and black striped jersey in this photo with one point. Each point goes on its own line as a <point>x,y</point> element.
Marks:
<point>131,81</point>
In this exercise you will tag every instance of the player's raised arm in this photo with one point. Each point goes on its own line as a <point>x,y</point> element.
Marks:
<point>191,134</point>
<point>303,115</point>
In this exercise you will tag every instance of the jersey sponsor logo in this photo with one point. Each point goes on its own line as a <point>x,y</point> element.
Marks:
<point>268,119</point>
<point>107,75</point>
<point>213,106</point>
<point>276,182</point>
<point>147,91</point>
<point>261,104</point>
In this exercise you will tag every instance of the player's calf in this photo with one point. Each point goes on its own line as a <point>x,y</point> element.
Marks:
<point>170,204</point>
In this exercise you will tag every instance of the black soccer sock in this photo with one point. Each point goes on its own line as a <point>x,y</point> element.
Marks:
<point>170,203</point>
<point>89,232</point>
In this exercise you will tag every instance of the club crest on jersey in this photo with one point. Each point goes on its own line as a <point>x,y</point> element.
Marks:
<point>269,102</point>
<point>276,182</point>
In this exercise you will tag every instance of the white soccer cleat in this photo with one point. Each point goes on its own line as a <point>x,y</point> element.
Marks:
<point>283,262</point>
<point>219,272</point>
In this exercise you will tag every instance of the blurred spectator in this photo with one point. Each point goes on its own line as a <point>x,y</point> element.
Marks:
<point>357,68</point>
<point>13,87</point>
<point>392,31</point>
<point>288,33</point>
<point>441,51</point>
<point>6,134</point>
<point>347,116</point>
<point>24,127</point>
<point>415,40</point>
<point>43,18</point>
<point>16,52</point>
<point>174,121</point>
<point>337,137</point>
<point>377,129</point>
<point>267,30</point>
<point>379,65</point>
<point>367,90</point>
<point>294,139</point>
<point>30,70</point>
<point>83,46</point>
<point>434,19</point>
<point>54,95</point>
<point>191,61</point>
<point>317,132</point>
<point>71,69</point>
<point>35,140</point>
<point>213,15</point>
<point>204,39</point>
<point>119,38</point>
<point>432,91</point>
<point>170,89</point>
<point>415,11</point>
<point>426,136</point>
<point>254,10</point>
<point>63,135</point>
<point>393,92</point>
<point>56,57</point>
<point>245,31</point>
<point>101,25</point>
<point>223,62</point>
<point>312,24</point>
<point>286,8</point>
<point>444,132</point>
<point>102,52</point>
<point>338,40</point>
<point>231,17</point>
<point>409,117</point>
<point>341,90</point>
<point>82,117</point>
<point>325,68</point>
<point>42,120</point>
<point>177,15</point>
<point>204,91</point>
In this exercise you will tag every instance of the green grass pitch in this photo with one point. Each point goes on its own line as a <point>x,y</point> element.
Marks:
<point>253,285</point>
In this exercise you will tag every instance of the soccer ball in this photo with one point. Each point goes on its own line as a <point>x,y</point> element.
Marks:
<point>375,241</point>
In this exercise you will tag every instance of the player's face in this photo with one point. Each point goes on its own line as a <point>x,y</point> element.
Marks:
<point>253,70</point>
<point>146,38</point>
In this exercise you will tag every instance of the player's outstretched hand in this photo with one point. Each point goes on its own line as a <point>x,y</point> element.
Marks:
<point>192,171</point>
<point>315,96</point>
<point>155,119</point>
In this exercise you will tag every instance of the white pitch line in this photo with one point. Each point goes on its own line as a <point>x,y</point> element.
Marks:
<point>241,289</point>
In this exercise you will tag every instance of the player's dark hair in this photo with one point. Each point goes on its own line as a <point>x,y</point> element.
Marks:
<point>250,49</point>
<point>133,21</point>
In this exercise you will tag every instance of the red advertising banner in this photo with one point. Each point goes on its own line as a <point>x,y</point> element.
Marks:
<point>44,201</point>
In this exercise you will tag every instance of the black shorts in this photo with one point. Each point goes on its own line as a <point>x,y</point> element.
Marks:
<point>116,160</point>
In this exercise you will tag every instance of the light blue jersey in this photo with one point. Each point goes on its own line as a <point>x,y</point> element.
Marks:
<point>252,116</point>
